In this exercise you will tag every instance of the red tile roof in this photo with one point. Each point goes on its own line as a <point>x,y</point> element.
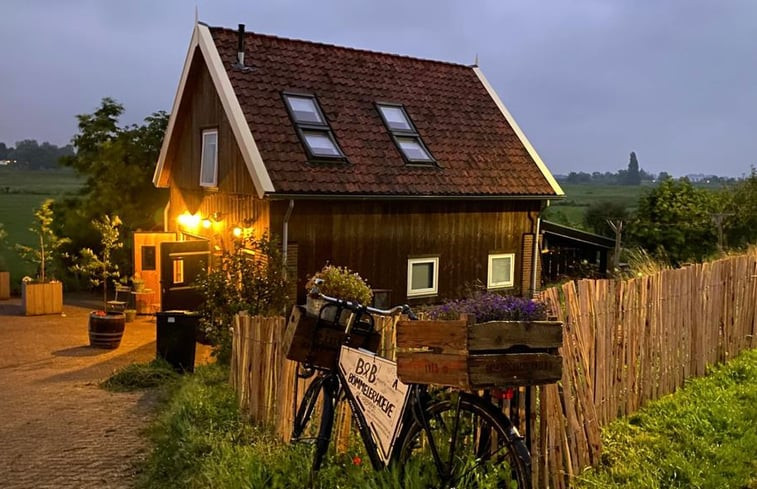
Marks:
<point>476,150</point>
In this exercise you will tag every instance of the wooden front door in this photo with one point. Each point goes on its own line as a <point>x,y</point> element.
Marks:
<point>146,261</point>
<point>180,264</point>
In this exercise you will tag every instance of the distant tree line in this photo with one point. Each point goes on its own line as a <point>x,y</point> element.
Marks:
<point>632,175</point>
<point>680,222</point>
<point>30,155</point>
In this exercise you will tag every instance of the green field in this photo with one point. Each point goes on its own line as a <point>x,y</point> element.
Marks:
<point>21,192</point>
<point>578,197</point>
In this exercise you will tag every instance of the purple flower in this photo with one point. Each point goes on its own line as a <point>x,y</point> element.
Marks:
<point>492,307</point>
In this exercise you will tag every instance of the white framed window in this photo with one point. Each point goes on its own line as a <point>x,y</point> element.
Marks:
<point>422,276</point>
<point>500,270</point>
<point>209,158</point>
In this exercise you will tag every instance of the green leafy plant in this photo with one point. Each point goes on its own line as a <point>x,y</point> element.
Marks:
<point>48,253</point>
<point>251,278</point>
<point>100,268</point>
<point>3,237</point>
<point>343,283</point>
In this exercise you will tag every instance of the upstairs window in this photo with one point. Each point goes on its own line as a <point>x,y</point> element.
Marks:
<point>209,158</point>
<point>312,128</point>
<point>404,134</point>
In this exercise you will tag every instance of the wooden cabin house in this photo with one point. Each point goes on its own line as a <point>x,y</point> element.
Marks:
<point>411,172</point>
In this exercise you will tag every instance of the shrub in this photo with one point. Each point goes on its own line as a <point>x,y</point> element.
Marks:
<point>342,283</point>
<point>488,306</point>
<point>248,278</point>
<point>48,253</point>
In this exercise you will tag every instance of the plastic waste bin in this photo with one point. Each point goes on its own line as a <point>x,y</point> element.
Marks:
<point>175,338</point>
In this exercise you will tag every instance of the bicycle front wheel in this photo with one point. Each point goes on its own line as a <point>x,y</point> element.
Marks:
<point>466,444</point>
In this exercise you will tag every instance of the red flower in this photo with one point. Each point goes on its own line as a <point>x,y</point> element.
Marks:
<point>356,460</point>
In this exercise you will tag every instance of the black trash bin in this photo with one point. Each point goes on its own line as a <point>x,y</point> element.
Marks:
<point>175,338</point>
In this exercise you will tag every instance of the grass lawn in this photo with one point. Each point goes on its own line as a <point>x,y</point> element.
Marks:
<point>704,436</point>
<point>21,192</point>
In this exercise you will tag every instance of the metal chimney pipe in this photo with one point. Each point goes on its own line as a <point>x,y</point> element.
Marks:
<point>240,46</point>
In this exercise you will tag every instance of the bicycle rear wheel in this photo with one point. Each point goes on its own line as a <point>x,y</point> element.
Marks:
<point>468,444</point>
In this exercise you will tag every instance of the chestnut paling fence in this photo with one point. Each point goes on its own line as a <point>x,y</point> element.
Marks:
<point>625,343</point>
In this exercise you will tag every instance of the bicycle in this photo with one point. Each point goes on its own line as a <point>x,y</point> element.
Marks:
<point>456,439</point>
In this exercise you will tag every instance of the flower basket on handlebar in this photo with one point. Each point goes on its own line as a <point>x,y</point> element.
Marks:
<point>470,356</point>
<point>316,341</point>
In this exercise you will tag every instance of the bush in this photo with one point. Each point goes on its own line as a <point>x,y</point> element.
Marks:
<point>488,306</point>
<point>248,278</point>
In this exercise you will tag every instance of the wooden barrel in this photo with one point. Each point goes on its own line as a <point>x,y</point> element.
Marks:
<point>106,331</point>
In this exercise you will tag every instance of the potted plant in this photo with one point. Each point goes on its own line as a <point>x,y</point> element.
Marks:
<point>5,280</point>
<point>45,294</point>
<point>138,283</point>
<point>106,328</point>
<point>339,282</point>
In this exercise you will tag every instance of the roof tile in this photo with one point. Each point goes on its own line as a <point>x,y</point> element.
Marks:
<point>477,151</point>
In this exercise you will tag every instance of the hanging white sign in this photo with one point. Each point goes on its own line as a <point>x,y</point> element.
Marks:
<point>380,395</point>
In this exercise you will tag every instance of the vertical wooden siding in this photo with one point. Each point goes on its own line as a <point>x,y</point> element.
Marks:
<point>202,109</point>
<point>376,238</point>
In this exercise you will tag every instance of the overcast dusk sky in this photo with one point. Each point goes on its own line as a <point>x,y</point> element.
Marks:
<point>588,81</point>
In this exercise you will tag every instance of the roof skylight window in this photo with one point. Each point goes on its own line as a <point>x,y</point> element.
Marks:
<point>312,128</point>
<point>404,134</point>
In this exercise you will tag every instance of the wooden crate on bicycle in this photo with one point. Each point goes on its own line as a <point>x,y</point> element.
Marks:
<point>316,342</point>
<point>462,354</point>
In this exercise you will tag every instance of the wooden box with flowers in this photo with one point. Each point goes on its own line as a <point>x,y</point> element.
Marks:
<point>497,341</point>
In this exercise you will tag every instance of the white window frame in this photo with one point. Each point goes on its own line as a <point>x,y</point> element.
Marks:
<point>434,290</point>
<point>203,163</point>
<point>510,282</point>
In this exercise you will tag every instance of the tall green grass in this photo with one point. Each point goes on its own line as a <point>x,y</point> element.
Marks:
<point>704,436</point>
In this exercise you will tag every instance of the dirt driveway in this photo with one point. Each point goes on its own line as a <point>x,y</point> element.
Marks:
<point>58,429</point>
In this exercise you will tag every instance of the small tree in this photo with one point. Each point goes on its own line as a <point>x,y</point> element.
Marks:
<point>248,278</point>
<point>49,243</point>
<point>3,237</point>
<point>101,268</point>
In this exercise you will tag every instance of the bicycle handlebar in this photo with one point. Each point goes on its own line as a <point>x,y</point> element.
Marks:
<point>357,307</point>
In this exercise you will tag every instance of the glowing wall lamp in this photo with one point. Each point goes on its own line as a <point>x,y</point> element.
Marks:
<point>189,221</point>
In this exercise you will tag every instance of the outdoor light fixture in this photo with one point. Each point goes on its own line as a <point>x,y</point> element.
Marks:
<point>189,221</point>
<point>237,232</point>
<point>206,223</point>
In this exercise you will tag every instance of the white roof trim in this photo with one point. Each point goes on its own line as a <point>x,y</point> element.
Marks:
<point>201,38</point>
<point>518,132</point>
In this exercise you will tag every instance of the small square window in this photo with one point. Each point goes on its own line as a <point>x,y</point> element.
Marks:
<point>178,271</point>
<point>148,258</point>
<point>422,276</point>
<point>395,118</point>
<point>320,143</point>
<point>209,158</point>
<point>413,149</point>
<point>500,270</point>
<point>304,110</point>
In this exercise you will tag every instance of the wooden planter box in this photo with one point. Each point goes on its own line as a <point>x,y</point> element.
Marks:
<point>478,356</point>
<point>42,298</point>
<point>317,342</point>
<point>5,286</point>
